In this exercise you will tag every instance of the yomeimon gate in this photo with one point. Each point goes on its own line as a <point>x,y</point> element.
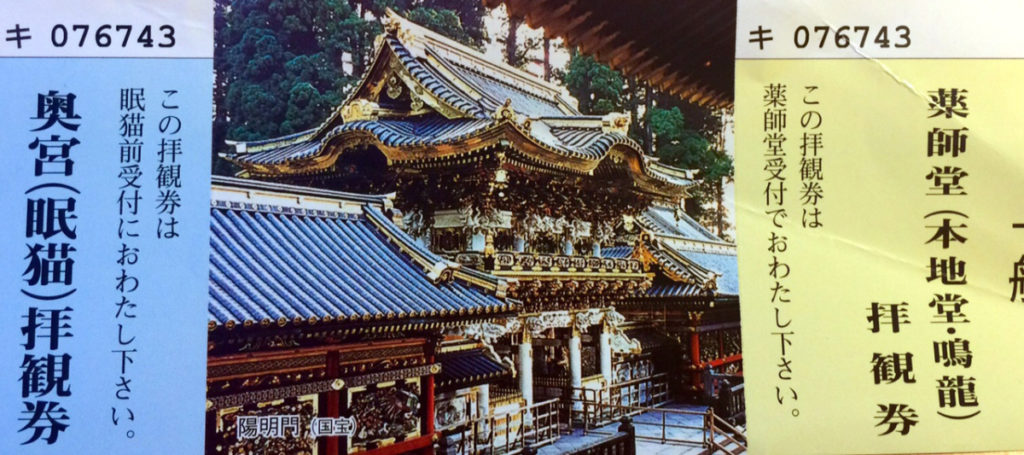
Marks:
<point>525,253</point>
<point>320,306</point>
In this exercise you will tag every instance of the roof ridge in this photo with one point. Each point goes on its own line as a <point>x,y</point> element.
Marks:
<point>437,268</point>
<point>249,184</point>
<point>490,77</point>
<point>271,140</point>
<point>397,22</point>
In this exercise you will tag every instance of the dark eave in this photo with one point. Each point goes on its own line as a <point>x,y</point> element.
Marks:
<point>685,47</point>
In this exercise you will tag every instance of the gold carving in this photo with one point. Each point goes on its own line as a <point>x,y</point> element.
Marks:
<point>505,111</point>
<point>615,122</point>
<point>394,87</point>
<point>416,103</point>
<point>360,109</point>
<point>392,25</point>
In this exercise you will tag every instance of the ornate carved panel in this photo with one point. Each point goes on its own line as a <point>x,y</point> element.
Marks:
<point>585,319</point>
<point>731,342</point>
<point>538,324</point>
<point>385,413</point>
<point>452,412</point>
<point>709,346</point>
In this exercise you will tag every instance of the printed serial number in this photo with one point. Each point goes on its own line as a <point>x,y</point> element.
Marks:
<point>107,35</point>
<point>845,36</point>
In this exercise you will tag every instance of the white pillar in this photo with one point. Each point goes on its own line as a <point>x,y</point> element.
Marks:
<point>519,244</point>
<point>576,366</point>
<point>606,356</point>
<point>483,400</point>
<point>567,248</point>
<point>526,371</point>
<point>597,250</point>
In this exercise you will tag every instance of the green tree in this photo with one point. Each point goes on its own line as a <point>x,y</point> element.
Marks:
<point>680,145</point>
<point>280,65</point>
<point>443,21</point>
<point>598,88</point>
<point>470,29</point>
<point>681,134</point>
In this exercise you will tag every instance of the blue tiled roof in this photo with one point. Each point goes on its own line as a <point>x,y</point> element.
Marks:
<point>698,267</point>
<point>617,252</point>
<point>432,130</point>
<point>284,153</point>
<point>424,130</point>
<point>497,91</point>
<point>724,265</point>
<point>437,84</point>
<point>590,143</point>
<point>662,220</point>
<point>469,367</point>
<point>268,267</point>
<point>674,289</point>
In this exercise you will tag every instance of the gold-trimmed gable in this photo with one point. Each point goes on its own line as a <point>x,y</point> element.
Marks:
<point>528,141</point>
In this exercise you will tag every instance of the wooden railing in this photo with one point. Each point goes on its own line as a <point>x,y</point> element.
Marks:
<point>726,393</point>
<point>716,434</point>
<point>732,441</point>
<point>509,433</point>
<point>731,404</point>
<point>651,392</point>
<point>602,411</point>
<point>622,442</point>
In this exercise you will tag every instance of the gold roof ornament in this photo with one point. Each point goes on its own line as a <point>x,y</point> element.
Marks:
<point>505,111</point>
<point>489,245</point>
<point>395,86</point>
<point>628,222</point>
<point>360,109</point>
<point>393,25</point>
<point>615,122</point>
<point>417,99</point>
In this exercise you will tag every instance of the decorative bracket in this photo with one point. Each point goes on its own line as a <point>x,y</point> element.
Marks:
<point>487,333</point>
<point>585,319</point>
<point>538,324</point>
<point>615,122</point>
<point>620,343</point>
<point>360,109</point>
